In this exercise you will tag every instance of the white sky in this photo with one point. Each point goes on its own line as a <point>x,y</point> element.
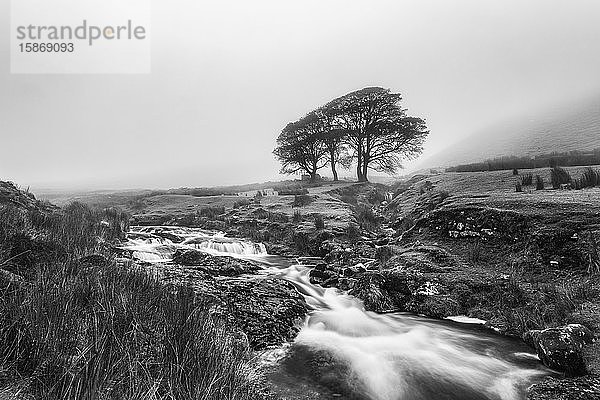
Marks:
<point>228,75</point>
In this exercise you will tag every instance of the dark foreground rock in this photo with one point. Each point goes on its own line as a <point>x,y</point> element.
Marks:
<point>269,311</point>
<point>582,388</point>
<point>561,348</point>
<point>214,265</point>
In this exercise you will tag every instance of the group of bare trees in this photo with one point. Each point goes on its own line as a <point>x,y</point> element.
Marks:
<point>367,128</point>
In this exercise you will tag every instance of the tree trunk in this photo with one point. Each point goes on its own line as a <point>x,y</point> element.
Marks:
<point>365,168</point>
<point>313,172</point>
<point>332,162</point>
<point>359,173</point>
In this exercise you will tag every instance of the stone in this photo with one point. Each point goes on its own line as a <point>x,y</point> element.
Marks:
<point>561,348</point>
<point>214,265</point>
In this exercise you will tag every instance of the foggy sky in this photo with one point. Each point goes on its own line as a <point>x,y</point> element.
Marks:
<point>228,75</point>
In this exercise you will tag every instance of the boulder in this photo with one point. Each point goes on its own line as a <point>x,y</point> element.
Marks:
<point>170,236</point>
<point>561,348</point>
<point>214,265</point>
<point>382,292</point>
<point>269,311</point>
<point>320,276</point>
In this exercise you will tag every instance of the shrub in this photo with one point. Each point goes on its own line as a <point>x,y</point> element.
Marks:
<point>593,255</point>
<point>475,252</point>
<point>301,241</point>
<point>278,217</point>
<point>527,180</point>
<point>241,203</point>
<point>518,187</point>
<point>539,183</point>
<point>383,254</point>
<point>352,231</point>
<point>319,222</point>
<point>297,216</point>
<point>515,171</point>
<point>559,176</point>
<point>366,218</point>
<point>376,196</point>
<point>590,178</point>
<point>212,212</point>
<point>301,200</point>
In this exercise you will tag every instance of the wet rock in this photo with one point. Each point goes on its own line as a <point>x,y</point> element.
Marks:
<point>353,271</point>
<point>321,275</point>
<point>582,388</point>
<point>279,249</point>
<point>322,366</point>
<point>214,265</point>
<point>269,311</point>
<point>561,348</point>
<point>310,261</point>
<point>170,236</point>
<point>346,283</point>
<point>382,291</point>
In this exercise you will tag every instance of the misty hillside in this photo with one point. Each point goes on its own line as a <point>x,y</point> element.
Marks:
<point>576,126</point>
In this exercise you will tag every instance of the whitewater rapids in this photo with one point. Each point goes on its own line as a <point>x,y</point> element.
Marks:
<point>344,351</point>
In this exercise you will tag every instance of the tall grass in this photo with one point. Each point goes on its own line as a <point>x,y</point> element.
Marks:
<point>105,331</point>
<point>539,183</point>
<point>527,179</point>
<point>366,218</point>
<point>589,178</point>
<point>212,212</point>
<point>319,222</point>
<point>559,176</point>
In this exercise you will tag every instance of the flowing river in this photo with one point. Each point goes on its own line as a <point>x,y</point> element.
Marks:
<point>343,351</point>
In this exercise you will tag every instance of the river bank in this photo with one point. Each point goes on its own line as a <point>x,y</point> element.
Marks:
<point>421,250</point>
<point>451,244</point>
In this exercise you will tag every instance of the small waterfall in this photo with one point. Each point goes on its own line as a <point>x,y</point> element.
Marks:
<point>222,245</point>
<point>150,257</point>
<point>153,243</point>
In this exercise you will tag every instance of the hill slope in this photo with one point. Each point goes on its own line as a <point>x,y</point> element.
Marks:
<point>575,126</point>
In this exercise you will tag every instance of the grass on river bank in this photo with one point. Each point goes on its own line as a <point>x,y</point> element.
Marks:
<point>73,328</point>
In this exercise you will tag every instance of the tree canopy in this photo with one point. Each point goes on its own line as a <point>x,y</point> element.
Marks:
<point>367,127</point>
<point>300,147</point>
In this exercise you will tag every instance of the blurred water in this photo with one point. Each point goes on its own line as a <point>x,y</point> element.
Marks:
<point>346,351</point>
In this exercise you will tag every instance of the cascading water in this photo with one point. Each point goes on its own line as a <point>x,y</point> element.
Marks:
<point>226,246</point>
<point>345,351</point>
<point>401,356</point>
<point>158,243</point>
